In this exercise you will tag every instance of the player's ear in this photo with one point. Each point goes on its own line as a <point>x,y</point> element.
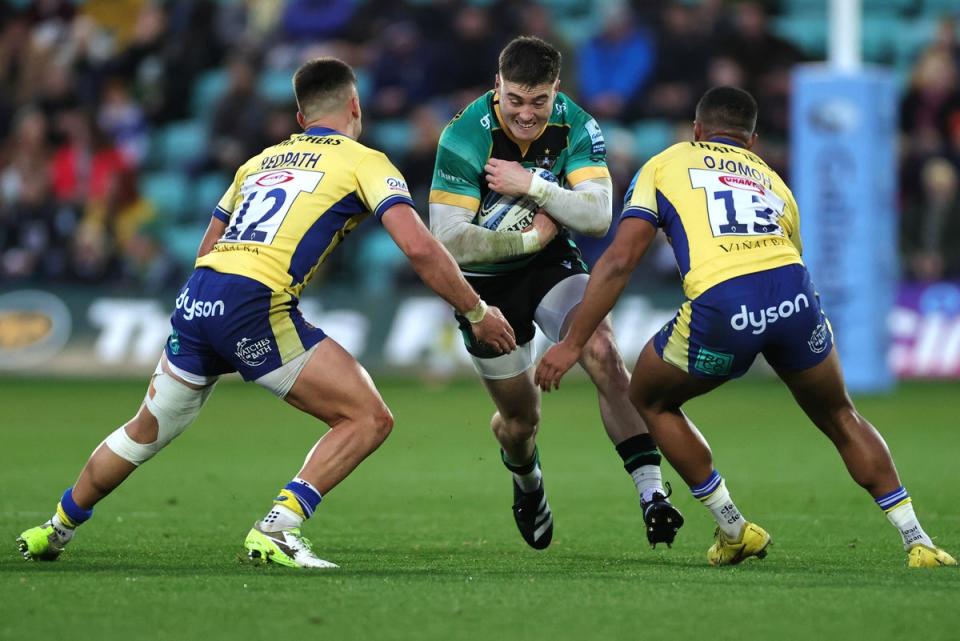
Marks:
<point>556,86</point>
<point>496,82</point>
<point>301,120</point>
<point>752,141</point>
<point>697,131</point>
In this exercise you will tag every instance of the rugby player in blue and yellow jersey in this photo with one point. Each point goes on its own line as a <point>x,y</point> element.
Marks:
<point>536,275</point>
<point>287,209</point>
<point>735,232</point>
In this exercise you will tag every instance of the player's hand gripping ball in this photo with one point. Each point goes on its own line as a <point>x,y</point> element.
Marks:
<point>510,213</point>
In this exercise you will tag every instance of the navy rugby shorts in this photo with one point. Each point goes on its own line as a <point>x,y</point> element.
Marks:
<point>775,312</point>
<point>227,323</point>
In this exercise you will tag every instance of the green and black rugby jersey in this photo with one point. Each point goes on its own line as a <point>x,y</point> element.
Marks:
<point>571,146</point>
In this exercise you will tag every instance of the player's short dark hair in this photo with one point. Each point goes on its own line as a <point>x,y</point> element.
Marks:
<point>727,108</point>
<point>319,83</point>
<point>529,61</point>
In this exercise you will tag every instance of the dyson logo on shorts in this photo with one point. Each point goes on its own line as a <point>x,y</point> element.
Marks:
<point>198,308</point>
<point>759,320</point>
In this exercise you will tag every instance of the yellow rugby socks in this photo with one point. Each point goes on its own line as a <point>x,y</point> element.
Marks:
<point>899,510</point>
<point>295,502</point>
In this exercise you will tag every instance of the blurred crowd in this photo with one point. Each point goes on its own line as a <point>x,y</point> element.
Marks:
<point>122,121</point>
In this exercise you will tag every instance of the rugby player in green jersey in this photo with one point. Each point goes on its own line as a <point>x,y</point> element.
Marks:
<point>536,275</point>
<point>735,230</point>
<point>287,209</point>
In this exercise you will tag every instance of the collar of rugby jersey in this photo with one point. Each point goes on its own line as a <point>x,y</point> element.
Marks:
<point>323,131</point>
<point>723,140</point>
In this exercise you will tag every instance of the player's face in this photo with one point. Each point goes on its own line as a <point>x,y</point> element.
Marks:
<point>526,110</point>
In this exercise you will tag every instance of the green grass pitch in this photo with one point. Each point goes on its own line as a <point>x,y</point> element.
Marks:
<point>425,537</point>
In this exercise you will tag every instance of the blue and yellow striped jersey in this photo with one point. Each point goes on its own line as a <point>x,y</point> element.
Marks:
<point>292,204</point>
<point>725,212</point>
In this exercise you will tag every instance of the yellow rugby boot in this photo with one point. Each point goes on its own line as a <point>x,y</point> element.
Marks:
<point>922,556</point>
<point>40,543</point>
<point>753,541</point>
<point>285,547</point>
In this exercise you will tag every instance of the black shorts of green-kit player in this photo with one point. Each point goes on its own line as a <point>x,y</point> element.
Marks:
<point>518,293</point>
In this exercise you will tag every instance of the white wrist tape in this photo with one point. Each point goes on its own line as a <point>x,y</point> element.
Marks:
<point>531,241</point>
<point>476,314</point>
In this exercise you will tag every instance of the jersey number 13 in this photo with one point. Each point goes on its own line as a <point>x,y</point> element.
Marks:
<point>738,206</point>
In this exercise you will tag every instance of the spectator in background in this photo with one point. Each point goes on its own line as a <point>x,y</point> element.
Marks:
<point>123,120</point>
<point>754,46</point>
<point>417,165</point>
<point>28,234</point>
<point>683,54</point>
<point>400,73</point>
<point>767,60</point>
<point>931,102</point>
<point>163,59</point>
<point>930,228</point>
<point>91,174</point>
<point>463,68</point>
<point>237,129</point>
<point>615,66</point>
<point>306,21</point>
<point>536,20</point>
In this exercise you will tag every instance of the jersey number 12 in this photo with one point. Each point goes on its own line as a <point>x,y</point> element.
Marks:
<point>267,200</point>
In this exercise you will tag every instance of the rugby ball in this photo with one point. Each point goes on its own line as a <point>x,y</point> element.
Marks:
<point>510,213</point>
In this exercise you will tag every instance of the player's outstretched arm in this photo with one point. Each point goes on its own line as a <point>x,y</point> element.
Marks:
<point>607,281</point>
<point>587,208</point>
<point>214,231</point>
<point>470,244</point>
<point>440,272</point>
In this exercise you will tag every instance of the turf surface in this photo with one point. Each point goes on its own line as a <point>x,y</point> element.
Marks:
<point>425,537</point>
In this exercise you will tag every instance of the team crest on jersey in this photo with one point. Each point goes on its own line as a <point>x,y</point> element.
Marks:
<point>546,161</point>
<point>253,353</point>
<point>818,339</point>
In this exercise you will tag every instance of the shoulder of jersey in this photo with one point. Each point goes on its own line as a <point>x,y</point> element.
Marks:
<point>566,110</point>
<point>475,117</point>
<point>674,150</point>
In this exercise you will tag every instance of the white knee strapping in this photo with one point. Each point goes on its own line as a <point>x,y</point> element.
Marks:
<point>505,365</point>
<point>174,405</point>
<point>555,306</point>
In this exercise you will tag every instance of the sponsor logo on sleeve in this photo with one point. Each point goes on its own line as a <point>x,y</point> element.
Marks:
<point>450,178</point>
<point>597,143</point>
<point>397,184</point>
<point>485,121</point>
